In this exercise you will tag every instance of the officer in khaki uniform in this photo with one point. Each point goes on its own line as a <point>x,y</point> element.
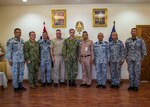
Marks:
<point>58,59</point>
<point>86,57</point>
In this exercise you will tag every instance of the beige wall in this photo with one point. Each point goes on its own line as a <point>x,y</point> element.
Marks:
<point>32,17</point>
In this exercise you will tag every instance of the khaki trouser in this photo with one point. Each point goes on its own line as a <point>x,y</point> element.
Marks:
<point>86,70</point>
<point>59,69</point>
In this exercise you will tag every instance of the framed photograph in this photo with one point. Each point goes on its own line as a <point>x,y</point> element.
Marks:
<point>100,17</point>
<point>59,18</point>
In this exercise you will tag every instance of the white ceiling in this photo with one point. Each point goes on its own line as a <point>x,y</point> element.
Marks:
<point>60,2</point>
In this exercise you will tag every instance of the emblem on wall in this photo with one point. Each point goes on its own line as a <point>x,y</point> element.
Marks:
<point>79,28</point>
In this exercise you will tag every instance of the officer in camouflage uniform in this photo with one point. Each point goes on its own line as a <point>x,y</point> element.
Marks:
<point>70,52</point>
<point>32,59</point>
<point>135,51</point>
<point>15,56</point>
<point>101,59</point>
<point>116,48</point>
<point>45,58</point>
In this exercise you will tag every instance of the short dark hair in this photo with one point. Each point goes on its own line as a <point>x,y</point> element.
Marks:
<point>31,32</point>
<point>58,30</point>
<point>71,29</point>
<point>134,29</point>
<point>84,32</point>
<point>44,32</point>
<point>16,29</point>
<point>113,32</point>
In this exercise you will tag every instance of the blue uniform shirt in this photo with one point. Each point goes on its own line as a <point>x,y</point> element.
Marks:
<point>15,50</point>
<point>101,52</point>
<point>116,51</point>
<point>135,49</point>
<point>45,49</point>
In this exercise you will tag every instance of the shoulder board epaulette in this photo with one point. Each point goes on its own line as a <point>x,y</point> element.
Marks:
<point>96,42</point>
<point>119,41</point>
<point>129,38</point>
<point>10,40</point>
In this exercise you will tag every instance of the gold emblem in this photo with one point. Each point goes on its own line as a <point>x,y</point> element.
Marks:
<point>79,28</point>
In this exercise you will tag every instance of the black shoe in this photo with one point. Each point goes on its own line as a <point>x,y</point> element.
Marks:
<point>130,88</point>
<point>62,83</point>
<point>52,81</point>
<point>21,87</point>
<point>73,83</point>
<point>98,86</point>
<point>104,86</point>
<point>70,85</point>
<point>88,86</point>
<point>117,86</point>
<point>83,85</point>
<point>55,85</point>
<point>112,86</point>
<point>43,84</point>
<point>49,84</point>
<point>16,89</point>
<point>135,89</point>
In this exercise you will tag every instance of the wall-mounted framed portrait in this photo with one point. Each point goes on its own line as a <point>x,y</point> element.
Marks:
<point>59,18</point>
<point>100,17</point>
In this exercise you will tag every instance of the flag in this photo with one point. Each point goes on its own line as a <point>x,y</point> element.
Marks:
<point>113,30</point>
<point>44,30</point>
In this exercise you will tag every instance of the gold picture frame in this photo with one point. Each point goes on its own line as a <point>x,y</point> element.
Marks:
<point>59,18</point>
<point>100,17</point>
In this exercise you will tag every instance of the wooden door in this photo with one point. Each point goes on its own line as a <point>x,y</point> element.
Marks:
<point>144,33</point>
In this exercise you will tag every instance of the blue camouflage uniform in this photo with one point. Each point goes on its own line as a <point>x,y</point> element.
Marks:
<point>45,59</point>
<point>135,51</point>
<point>15,54</point>
<point>101,59</point>
<point>116,49</point>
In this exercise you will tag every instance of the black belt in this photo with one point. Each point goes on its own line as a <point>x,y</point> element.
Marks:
<point>85,55</point>
<point>58,55</point>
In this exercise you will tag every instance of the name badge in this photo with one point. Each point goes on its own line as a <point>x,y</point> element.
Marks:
<point>86,48</point>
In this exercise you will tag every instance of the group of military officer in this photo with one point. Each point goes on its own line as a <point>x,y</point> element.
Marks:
<point>64,55</point>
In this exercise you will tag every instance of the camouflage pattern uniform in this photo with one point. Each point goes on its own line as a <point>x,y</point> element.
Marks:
<point>45,59</point>
<point>101,59</point>
<point>116,60</point>
<point>135,51</point>
<point>70,52</point>
<point>32,54</point>
<point>15,54</point>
